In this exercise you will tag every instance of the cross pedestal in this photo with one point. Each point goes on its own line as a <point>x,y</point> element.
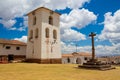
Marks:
<point>93,63</point>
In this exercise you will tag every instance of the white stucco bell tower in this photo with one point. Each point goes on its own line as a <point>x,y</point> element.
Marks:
<point>43,44</point>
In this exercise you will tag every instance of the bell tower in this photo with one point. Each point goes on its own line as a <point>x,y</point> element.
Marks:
<point>43,45</point>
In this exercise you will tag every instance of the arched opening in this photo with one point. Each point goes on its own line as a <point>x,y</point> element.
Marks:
<point>47,33</point>
<point>34,20</point>
<point>31,35</point>
<point>36,33</point>
<point>51,20</point>
<point>54,34</point>
<point>68,60</point>
<point>10,57</point>
<point>78,61</point>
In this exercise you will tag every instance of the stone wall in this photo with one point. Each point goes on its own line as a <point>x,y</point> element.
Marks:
<point>74,60</point>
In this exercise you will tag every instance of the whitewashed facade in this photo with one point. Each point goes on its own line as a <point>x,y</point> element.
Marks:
<point>43,44</point>
<point>75,58</point>
<point>12,50</point>
<point>6,49</point>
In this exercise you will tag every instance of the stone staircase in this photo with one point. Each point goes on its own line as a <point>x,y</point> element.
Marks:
<point>95,64</point>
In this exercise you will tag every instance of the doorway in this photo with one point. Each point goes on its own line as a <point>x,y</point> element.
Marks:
<point>10,57</point>
<point>78,61</point>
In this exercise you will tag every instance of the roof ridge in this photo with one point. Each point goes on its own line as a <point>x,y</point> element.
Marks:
<point>12,42</point>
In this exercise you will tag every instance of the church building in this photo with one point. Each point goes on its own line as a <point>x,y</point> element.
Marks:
<point>43,45</point>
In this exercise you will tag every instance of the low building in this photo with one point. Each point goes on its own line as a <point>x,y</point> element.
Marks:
<point>12,50</point>
<point>76,58</point>
<point>110,59</point>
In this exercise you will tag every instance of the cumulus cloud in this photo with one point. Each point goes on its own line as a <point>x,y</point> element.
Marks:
<point>100,50</point>
<point>18,29</point>
<point>23,39</point>
<point>58,4</point>
<point>111,29</point>
<point>72,35</point>
<point>76,18</point>
<point>70,48</point>
<point>108,50</point>
<point>10,9</point>
<point>8,23</point>
<point>25,24</point>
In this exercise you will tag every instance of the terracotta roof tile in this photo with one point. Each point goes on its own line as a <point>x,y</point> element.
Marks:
<point>76,54</point>
<point>84,54</point>
<point>67,55</point>
<point>12,42</point>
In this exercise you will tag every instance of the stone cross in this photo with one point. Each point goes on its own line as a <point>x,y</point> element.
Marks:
<point>93,49</point>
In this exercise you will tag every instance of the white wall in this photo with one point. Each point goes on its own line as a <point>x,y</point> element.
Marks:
<point>12,50</point>
<point>73,60</point>
<point>46,49</point>
<point>41,49</point>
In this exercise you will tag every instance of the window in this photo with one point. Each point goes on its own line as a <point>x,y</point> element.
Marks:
<point>36,33</point>
<point>47,33</point>
<point>31,35</point>
<point>54,34</point>
<point>10,57</point>
<point>8,47</point>
<point>85,58</point>
<point>33,13</point>
<point>50,20</point>
<point>34,20</point>
<point>17,48</point>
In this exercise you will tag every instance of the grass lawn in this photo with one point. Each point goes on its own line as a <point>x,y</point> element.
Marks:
<point>32,71</point>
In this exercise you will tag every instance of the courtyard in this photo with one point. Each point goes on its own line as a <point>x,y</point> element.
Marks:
<point>33,71</point>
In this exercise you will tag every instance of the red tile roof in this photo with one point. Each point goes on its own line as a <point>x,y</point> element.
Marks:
<point>82,54</point>
<point>12,42</point>
<point>67,55</point>
<point>76,54</point>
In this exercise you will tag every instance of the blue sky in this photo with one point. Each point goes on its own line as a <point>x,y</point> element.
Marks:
<point>78,19</point>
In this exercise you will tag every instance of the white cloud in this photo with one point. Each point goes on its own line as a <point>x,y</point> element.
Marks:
<point>25,24</point>
<point>100,50</point>
<point>70,48</point>
<point>58,4</point>
<point>8,23</point>
<point>72,35</point>
<point>13,28</point>
<point>10,9</point>
<point>76,3</point>
<point>111,29</point>
<point>18,29</point>
<point>21,29</point>
<point>23,39</point>
<point>78,18</point>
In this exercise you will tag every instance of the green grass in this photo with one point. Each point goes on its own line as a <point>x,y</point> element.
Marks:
<point>32,71</point>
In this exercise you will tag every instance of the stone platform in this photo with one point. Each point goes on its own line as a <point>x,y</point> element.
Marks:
<point>97,65</point>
